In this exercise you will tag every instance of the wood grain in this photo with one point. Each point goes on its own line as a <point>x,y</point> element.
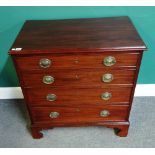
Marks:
<point>79,114</point>
<point>82,78</point>
<point>115,33</point>
<point>120,95</point>
<point>77,49</point>
<point>120,128</point>
<point>76,61</point>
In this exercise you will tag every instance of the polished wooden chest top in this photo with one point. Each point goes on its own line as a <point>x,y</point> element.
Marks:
<point>78,72</point>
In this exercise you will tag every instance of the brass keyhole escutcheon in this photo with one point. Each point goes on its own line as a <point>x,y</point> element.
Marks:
<point>77,76</point>
<point>76,61</point>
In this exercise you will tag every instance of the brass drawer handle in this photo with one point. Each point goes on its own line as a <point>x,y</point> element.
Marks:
<point>45,63</point>
<point>104,113</point>
<point>106,96</point>
<point>54,114</point>
<point>107,77</point>
<point>51,97</point>
<point>109,61</point>
<point>47,79</point>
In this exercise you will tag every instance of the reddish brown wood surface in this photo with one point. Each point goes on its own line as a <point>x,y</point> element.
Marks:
<point>77,49</point>
<point>120,128</point>
<point>79,96</point>
<point>135,81</point>
<point>83,78</point>
<point>115,33</point>
<point>76,61</point>
<point>79,114</point>
<point>34,98</point>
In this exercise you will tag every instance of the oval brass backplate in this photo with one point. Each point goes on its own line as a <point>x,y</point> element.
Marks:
<point>45,63</point>
<point>106,96</point>
<point>104,113</point>
<point>54,114</point>
<point>109,61</point>
<point>51,97</point>
<point>107,77</point>
<point>47,79</point>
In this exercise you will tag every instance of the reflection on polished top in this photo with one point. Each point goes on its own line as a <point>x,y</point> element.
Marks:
<point>114,33</point>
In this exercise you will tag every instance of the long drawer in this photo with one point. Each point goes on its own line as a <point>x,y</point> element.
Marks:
<point>30,63</point>
<point>79,114</point>
<point>84,78</point>
<point>65,96</point>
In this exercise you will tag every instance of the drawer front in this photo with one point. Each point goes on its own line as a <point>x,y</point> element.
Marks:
<point>50,62</point>
<point>78,114</point>
<point>84,78</point>
<point>57,97</point>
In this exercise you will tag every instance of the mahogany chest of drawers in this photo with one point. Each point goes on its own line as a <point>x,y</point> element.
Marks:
<point>78,72</point>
